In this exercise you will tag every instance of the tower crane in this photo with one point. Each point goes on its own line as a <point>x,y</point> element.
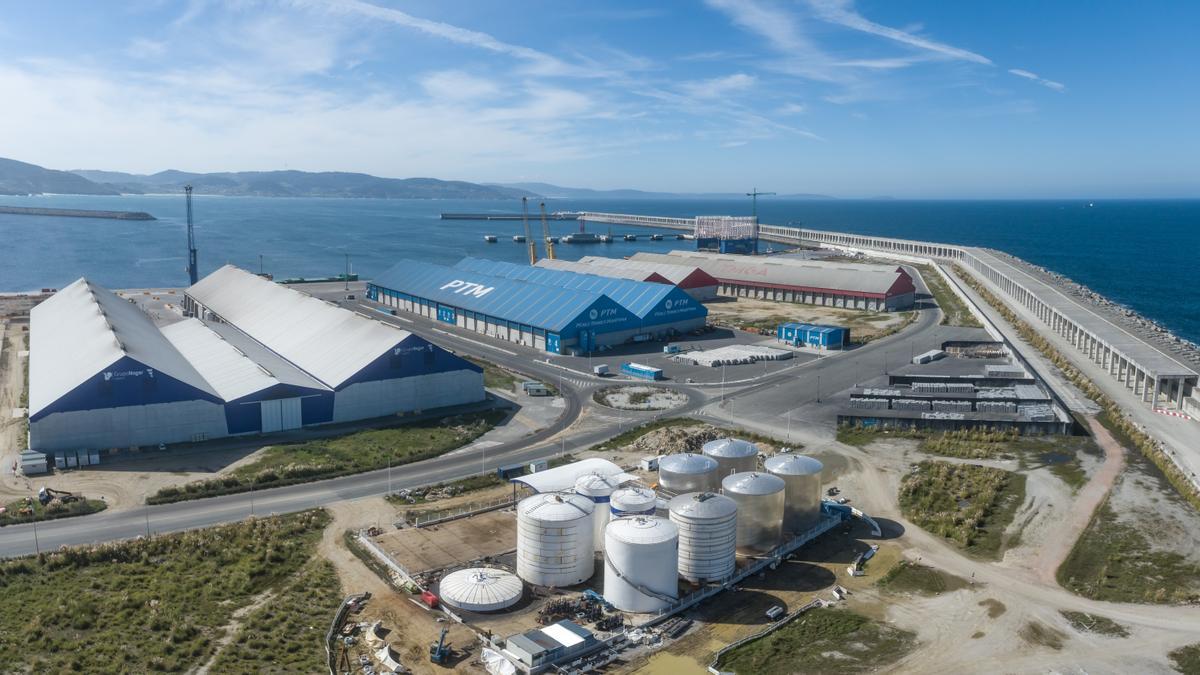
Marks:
<point>193,273</point>
<point>528,234</point>
<point>546,234</point>
<point>754,194</point>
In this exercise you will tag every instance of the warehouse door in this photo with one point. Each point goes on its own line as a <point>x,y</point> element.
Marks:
<point>280,415</point>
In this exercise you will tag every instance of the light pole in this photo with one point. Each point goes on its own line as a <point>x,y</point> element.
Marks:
<point>389,473</point>
<point>37,547</point>
<point>789,425</point>
<point>252,497</point>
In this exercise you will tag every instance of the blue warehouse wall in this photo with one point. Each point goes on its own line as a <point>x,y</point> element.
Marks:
<point>677,306</point>
<point>127,382</point>
<point>244,416</point>
<point>410,357</point>
<point>603,316</point>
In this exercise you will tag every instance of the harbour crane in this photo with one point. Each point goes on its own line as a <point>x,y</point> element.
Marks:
<point>193,273</point>
<point>546,233</point>
<point>754,195</point>
<point>528,234</point>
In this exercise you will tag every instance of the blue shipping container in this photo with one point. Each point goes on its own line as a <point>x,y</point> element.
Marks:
<point>640,371</point>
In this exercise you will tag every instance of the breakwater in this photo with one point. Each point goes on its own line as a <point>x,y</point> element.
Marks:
<point>76,213</point>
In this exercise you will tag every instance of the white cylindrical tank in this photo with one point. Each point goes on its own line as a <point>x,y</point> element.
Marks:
<point>632,501</point>
<point>688,472</point>
<point>599,490</point>
<point>733,455</point>
<point>480,589</point>
<point>801,475</point>
<point>707,525</point>
<point>760,499</point>
<point>640,562</point>
<point>554,539</point>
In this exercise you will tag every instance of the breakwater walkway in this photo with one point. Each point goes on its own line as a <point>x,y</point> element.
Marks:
<point>76,213</point>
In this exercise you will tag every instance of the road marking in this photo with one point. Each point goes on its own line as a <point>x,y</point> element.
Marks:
<point>476,342</point>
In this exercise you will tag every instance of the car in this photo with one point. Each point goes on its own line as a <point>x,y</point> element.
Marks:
<point>775,612</point>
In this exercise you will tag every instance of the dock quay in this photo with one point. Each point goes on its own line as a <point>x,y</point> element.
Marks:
<point>557,215</point>
<point>76,213</point>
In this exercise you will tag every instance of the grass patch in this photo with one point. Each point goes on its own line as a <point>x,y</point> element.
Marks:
<point>954,310</point>
<point>12,514</point>
<point>995,608</point>
<point>910,577</point>
<point>1092,623</point>
<point>621,440</point>
<point>287,634</point>
<point>350,539</point>
<point>971,444</point>
<point>148,605</point>
<point>967,504</point>
<point>1038,633</point>
<point>1114,561</point>
<point>821,640</point>
<point>293,463</point>
<point>495,377</point>
<point>1186,659</point>
<point>860,436</point>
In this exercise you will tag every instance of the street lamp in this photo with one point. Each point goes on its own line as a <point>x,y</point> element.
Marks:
<point>818,388</point>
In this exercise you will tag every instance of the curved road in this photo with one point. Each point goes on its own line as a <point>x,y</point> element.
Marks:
<point>17,540</point>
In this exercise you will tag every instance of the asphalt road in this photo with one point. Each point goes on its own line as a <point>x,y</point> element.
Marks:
<point>766,400</point>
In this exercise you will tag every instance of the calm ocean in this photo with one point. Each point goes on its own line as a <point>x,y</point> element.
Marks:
<point>1138,253</point>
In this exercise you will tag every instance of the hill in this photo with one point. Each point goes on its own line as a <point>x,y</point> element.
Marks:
<point>300,184</point>
<point>20,178</point>
<point>559,192</point>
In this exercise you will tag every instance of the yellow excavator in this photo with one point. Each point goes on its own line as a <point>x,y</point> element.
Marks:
<point>546,234</point>
<point>528,235</point>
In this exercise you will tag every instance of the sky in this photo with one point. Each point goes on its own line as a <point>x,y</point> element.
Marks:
<point>917,99</point>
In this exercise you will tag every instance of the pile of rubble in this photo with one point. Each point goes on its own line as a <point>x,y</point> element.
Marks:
<point>671,440</point>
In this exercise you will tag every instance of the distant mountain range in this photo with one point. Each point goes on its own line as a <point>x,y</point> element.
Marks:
<point>20,178</point>
<point>558,192</point>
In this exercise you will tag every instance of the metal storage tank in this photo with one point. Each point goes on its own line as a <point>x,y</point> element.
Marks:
<point>707,525</point>
<point>632,501</point>
<point>801,475</point>
<point>733,455</point>
<point>480,589</point>
<point>688,472</point>
<point>554,540</point>
<point>640,563</point>
<point>599,490</point>
<point>760,499</point>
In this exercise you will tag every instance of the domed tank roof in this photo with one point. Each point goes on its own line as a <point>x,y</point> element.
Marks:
<point>753,483</point>
<point>686,463</point>
<point>642,530</point>
<point>480,589</point>
<point>555,507</point>
<point>791,464</point>
<point>595,485</point>
<point>730,447</point>
<point>703,506</point>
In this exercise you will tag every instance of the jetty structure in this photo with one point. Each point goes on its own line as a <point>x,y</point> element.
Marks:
<point>75,213</point>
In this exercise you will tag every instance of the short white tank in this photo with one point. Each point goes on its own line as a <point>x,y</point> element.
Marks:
<point>760,500</point>
<point>640,563</point>
<point>707,525</point>
<point>688,472</point>
<point>733,455</point>
<point>632,501</point>
<point>599,490</point>
<point>554,540</point>
<point>801,475</point>
<point>480,589</point>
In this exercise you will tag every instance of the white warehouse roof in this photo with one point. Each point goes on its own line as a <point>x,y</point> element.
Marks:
<point>563,478</point>
<point>326,341</point>
<point>230,372</point>
<point>83,329</point>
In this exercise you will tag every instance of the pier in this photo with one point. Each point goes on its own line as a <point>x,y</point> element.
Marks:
<point>687,224</point>
<point>76,213</point>
<point>557,215</point>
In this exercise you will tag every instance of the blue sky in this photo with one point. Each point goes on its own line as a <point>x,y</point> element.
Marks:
<point>854,99</point>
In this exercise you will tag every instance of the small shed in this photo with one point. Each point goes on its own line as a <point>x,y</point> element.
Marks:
<point>33,463</point>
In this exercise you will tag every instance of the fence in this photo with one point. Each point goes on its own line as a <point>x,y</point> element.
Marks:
<point>438,516</point>
<point>338,618</point>
<point>712,665</point>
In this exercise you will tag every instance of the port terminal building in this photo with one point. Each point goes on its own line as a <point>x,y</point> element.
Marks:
<point>257,357</point>
<point>555,311</point>
<point>693,280</point>
<point>780,279</point>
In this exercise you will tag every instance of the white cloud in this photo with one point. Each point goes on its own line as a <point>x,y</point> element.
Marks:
<point>793,109</point>
<point>718,87</point>
<point>1051,84</point>
<point>841,12</point>
<point>145,48</point>
<point>799,55</point>
<point>453,85</point>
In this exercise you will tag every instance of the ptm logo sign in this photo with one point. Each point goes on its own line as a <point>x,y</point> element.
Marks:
<point>468,288</point>
<point>593,315</point>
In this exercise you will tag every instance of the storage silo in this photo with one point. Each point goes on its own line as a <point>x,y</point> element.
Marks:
<point>480,589</point>
<point>801,475</point>
<point>599,490</point>
<point>640,563</point>
<point>688,472</point>
<point>760,503</point>
<point>707,525</point>
<point>554,539</point>
<point>632,501</point>
<point>733,455</point>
